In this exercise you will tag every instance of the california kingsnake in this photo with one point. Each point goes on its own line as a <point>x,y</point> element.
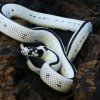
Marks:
<point>51,40</point>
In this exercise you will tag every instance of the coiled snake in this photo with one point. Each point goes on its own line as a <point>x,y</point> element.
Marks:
<point>23,34</point>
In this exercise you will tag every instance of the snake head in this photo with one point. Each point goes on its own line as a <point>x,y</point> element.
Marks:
<point>33,51</point>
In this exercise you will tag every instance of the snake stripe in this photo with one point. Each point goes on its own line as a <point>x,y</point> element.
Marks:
<point>68,49</point>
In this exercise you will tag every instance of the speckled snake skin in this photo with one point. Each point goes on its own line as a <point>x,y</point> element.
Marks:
<point>47,71</point>
<point>23,34</point>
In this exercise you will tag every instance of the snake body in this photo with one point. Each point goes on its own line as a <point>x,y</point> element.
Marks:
<point>44,54</point>
<point>47,72</point>
<point>12,29</point>
<point>80,28</point>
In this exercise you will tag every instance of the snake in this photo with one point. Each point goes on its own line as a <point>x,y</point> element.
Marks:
<point>44,54</point>
<point>47,72</point>
<point>42,34</point>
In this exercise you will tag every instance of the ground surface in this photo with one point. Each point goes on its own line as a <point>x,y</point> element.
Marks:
<point>17,82</point>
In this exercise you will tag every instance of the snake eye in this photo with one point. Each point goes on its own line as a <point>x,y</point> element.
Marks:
<point>40,52</point>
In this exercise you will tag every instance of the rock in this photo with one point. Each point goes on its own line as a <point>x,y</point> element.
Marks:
<point>87,80</point>
<point>17,82</point>
<point>6,76</point>
<point>25,92</point>
<point>7,1</point>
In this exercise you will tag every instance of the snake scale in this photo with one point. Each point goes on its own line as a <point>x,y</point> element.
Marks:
<point>60,82</point>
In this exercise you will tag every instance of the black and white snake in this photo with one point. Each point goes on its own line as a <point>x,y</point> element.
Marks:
<point>24,34</point>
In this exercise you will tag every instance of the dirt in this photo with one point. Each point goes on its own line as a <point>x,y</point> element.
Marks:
<point>17,82</point>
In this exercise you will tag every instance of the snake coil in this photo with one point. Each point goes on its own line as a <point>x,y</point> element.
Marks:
<point>23,34</point>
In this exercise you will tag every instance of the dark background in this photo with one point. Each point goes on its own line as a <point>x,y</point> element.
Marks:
<point>17,82</point>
